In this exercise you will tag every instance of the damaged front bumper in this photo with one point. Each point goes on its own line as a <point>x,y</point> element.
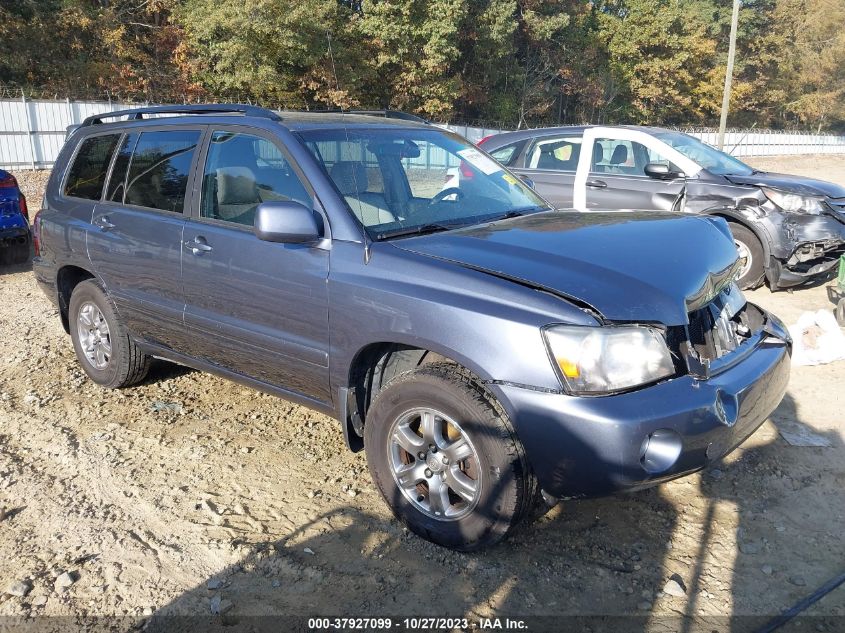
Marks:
<point>593,446</point>
<point>809,248</point>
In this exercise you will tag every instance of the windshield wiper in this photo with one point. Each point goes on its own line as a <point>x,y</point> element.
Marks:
<point>423,229</point>
<point>516,213</point>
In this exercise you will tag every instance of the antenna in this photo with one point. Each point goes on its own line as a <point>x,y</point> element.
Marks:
<point>331,57</point>
<point>354,178</point>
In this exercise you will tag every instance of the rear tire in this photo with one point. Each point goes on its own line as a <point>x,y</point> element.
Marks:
<point>466,482</point>
<point>750,249</point>
<point>102,346</point>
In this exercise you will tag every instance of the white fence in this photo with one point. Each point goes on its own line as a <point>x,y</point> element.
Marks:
<point>773,143</point>
<point>32,133</point>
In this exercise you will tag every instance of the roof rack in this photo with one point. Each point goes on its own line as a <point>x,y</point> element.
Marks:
<point>390,114</point>
<point>136,114</point>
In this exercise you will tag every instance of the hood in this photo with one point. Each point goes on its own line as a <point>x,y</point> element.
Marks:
<point>628,266</point>
<point>793,184</point>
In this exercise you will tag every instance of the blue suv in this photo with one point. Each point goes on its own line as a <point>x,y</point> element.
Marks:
<point>14,222</point>
<point>491,354</point>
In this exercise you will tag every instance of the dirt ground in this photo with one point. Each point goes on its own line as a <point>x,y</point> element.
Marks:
<point>189,494</point>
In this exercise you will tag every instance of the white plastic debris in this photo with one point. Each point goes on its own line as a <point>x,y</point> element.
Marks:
<point>817,339</point>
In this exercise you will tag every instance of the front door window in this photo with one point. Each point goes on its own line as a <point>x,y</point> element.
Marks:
<point>625,158</point>
<point>241,172</point>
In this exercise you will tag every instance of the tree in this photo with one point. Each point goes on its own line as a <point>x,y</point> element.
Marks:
<point>812,73</point>
<point>659,51</point>
<point>515,62</point>
<point>415,53</point>
<point>271,51</point>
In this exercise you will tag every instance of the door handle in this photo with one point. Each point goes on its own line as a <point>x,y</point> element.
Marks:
<point>103,223</point>
<point>198,245</point>
<point>596,184</point>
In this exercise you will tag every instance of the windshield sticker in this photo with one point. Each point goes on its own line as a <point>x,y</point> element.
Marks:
<point>509,179</point>
<point>478,160</point>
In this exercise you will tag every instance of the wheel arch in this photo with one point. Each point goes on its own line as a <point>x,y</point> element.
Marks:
<point>67,278</point>
<point>376,364</point>
<point>736,218</point>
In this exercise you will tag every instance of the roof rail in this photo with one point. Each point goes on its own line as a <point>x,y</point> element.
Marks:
<point>215,108</point>
<point>390,114</point>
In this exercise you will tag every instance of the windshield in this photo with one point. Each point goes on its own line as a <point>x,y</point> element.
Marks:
<point>406,181</point>
<point>704,155</point>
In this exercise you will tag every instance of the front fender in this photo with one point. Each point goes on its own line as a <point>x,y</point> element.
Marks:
<point>490,325</point>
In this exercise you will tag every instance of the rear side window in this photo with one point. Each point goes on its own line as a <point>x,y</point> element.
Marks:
<point>87,174</point>
<point>160,168</point>
<point>560,153</point>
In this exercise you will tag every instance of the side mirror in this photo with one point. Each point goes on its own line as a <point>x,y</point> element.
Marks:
<point>287,222</point>
<point>528,181</point>
<point>661,171</point>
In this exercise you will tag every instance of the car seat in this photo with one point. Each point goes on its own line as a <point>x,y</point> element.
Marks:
<point>618,160</point>
<point>350,177</point>
<point>237,194</point>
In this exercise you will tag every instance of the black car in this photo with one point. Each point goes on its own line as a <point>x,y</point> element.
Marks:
<point>788,229</point>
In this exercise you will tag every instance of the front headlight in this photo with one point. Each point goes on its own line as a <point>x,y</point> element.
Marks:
<point>595,360</point>
<point>794,202</point>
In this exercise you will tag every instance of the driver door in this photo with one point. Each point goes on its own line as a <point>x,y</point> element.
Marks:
<point>611,172</point>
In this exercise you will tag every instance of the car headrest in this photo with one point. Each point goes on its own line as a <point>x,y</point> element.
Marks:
<point>236,185</point>
<point>598,154</point>
<point>620,155</point>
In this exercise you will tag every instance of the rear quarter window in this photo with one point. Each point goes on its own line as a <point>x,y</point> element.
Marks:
<point>556,153</point>
<point>506,154</point>
<point>87,174</point>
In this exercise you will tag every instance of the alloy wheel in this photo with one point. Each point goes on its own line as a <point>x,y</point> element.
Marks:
<point>94,335</point>
<point>434,464</point>
<point>746,259</point>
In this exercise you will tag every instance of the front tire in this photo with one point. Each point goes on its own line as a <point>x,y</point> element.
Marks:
<point>751,254</point>
<point>102,346</point>
<point>445,458</point>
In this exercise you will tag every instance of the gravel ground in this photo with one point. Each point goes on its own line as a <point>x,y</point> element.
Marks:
<point>192,495</point>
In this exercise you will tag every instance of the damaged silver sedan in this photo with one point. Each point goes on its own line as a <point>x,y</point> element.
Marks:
<point>788,229</point>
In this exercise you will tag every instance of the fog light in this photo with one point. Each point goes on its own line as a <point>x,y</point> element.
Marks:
<point>660,450</point>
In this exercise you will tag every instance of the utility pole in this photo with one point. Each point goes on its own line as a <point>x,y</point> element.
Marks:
<point>726,96</point>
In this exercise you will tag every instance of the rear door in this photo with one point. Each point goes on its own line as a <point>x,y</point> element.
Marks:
<point>136,244</point>
<point>254,307</point>
<point>611,171</point>
<point>551,162</point>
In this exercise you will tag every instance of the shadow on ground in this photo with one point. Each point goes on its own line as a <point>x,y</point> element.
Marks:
<point>719,535</point>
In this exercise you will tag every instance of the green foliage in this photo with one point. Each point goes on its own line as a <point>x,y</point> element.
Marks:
<point>416,50</point>
<point>263,49</point>
<point>518,62</point>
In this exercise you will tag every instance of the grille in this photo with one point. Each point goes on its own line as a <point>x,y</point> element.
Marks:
<point>724,324</point>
